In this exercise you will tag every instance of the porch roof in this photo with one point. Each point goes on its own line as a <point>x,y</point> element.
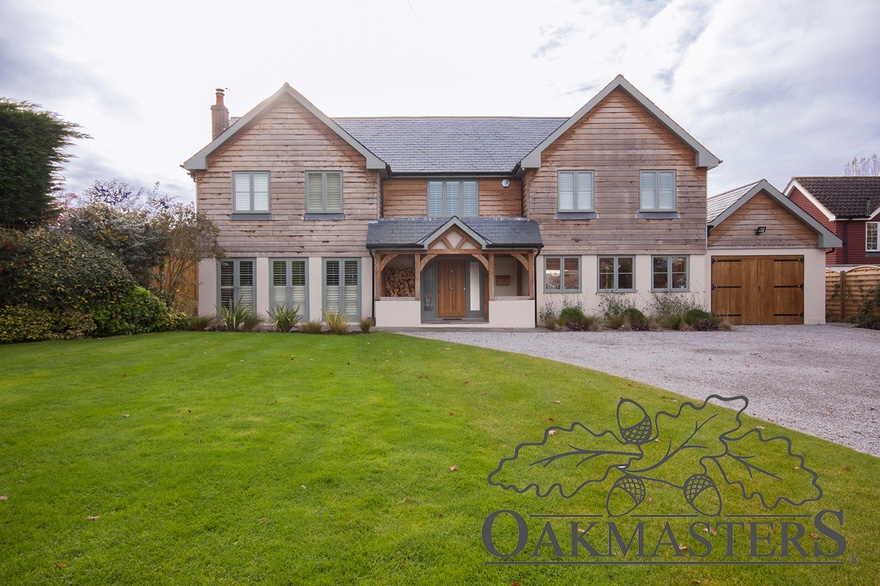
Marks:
<point>412,233</point>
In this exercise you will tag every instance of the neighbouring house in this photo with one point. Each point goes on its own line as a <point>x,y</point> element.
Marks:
<point>850,208</point>
<point>472,221</point>
<point>767,257</point>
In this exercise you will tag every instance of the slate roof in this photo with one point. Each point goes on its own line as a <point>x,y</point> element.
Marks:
<point>717,204</point>
<point>412,232</point>
<point>440,145</point>
<point>845,197</point>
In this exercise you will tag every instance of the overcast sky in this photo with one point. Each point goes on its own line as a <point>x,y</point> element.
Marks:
<point>774,88</point>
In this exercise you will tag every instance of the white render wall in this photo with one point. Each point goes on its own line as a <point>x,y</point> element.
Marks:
<point>591,298</point>
<point>208,285</point>
<point>814,274</point>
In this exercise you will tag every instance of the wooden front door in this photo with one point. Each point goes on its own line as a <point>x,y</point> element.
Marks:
<point>451,288</point>
<point>758,289</point>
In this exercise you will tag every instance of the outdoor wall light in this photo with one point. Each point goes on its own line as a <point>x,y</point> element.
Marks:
<point>760,230</point>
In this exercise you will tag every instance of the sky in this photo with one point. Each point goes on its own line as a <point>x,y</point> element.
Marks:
<point>774,88</point>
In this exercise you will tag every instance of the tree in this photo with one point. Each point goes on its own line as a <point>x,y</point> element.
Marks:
<point>159,241</point>
<point>32,151</point>
<point>866,166</point>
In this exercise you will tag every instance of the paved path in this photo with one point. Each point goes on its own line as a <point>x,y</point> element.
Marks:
<point>821,380</point>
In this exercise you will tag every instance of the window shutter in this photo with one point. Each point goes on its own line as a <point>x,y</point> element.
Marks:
<point>246,282</point>
<point>315,196</point>
<point>227,284</point>
<point>648,200</point>
<point>242,187</point>
<point>261,192</point>
<point>585,190</point>
<point>334,192</point>
<point>435,199</point>
<point>566,191</point>
<point>279,282</point>
<point>298,283</point>
<point>453,198</point>
<point>351,287</point>
<point>666,191</point>
<point>469,203</point>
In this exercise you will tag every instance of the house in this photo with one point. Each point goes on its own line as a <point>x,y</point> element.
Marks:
<point>469,221</point>
<point>850,208</point>
<point>767,257</point>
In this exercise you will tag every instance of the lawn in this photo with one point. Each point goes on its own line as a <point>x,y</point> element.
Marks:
<point>226,458</point>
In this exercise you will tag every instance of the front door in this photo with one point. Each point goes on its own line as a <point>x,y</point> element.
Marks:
<point>451,288</point>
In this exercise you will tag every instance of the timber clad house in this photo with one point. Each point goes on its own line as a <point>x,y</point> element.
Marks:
<point>475,221</point>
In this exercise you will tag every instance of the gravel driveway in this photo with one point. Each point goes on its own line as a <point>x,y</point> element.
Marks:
<point>821,380</point>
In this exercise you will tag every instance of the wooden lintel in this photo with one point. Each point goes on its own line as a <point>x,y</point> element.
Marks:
<point>427,258</point>
<point>522,259</point>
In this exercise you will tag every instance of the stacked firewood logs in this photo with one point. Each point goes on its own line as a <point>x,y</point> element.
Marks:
<point>400,282</point>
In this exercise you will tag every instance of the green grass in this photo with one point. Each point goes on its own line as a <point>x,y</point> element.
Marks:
<point>228,458</point>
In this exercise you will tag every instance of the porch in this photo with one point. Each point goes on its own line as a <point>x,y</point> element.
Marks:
<point>437,273</point>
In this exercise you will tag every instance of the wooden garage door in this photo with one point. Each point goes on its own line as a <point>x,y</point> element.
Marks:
<point>758,289</point>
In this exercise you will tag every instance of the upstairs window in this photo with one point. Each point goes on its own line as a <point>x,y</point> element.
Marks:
<point>657,191</point>
<point>452,198</point>
<point>872,242</point>
<point>324,192</point>
<point>575,191</point>
<point>250,192</point>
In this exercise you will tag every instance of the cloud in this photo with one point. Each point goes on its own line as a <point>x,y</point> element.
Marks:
<point>555,36</point>
<point>35,71</point>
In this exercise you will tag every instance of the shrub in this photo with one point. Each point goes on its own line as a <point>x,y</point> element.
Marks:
<point>366,324</point>
<point>199,323</point>
<point>310,327</point>
<point>669,303</point>
<point>572,314</point>
<point>591,323</point>
<point>705,325</point>
<point>694,315</point>
<point>574,326</point>
<point>284,317</point>
<point>238,317</point>
<point>337,321</point>
<point>61,270</point>
<point>634,316</point>
<point>23,323</point>
<point>614,304</point>
<point>138,311</point>
<point>547,314</point>
<point>173,321</point>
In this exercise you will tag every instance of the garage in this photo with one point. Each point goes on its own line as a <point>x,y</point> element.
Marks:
<point>766,258</point>
<point>758,289</point>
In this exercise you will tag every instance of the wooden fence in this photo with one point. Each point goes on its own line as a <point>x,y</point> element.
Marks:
<point>846,292</point>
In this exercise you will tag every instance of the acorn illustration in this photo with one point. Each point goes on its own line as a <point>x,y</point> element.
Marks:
<point>627,493</point>
<point>701,493</point>
<point>635,425</point>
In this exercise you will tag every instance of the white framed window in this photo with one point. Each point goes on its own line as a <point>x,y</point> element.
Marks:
<point>670,273</point>
<point>324,192</point>
<point>575,191</point>
<point>872,241</point>
<point>250,191</point>
<point>562,274</point>
<point>453,198</point>
<point>342,291</point>
<point>657,191</point>
<point>616,273</point>
<point>289,284</point>
<point>236,283</point>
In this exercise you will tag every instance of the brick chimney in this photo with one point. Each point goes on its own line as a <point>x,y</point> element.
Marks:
<point>219,116</point>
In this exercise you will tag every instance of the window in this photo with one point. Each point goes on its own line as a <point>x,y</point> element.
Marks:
<point>562,274</point>
<point>342,286</point>
<point>657,191</point>
<point>575,191</point>
<point>872,242</point>
<point>250,192</point>
<point>324,189</point>
<point>289,284</point>
<point>616,273</point>
<point>236,283</point>
<point>452,198</point>
<point>670,273</point>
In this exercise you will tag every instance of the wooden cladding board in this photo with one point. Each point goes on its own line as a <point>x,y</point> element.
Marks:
<point>784,229</point>
<point>287,140</point>
<point>408,198</point>
<point>758,289</point>
<point>616,140</point>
